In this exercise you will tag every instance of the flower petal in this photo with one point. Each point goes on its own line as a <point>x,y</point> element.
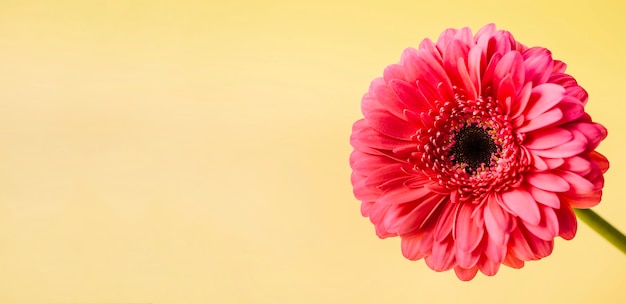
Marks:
<point>543,98</point>
<point>402,195</point>
<point>538,62</point>
<point>411,247</point>
<point>442,256</point>
<point>600,160</point>
<point>522,204</point>
<point>577,164</point>
<point>415,220</point>
<point>410,97</point>
<point>578,184</point>
<point>394,71</point>
<point>465,274</point>
<point>547,138</point>
<point>363,136</point>
<point>541,121</point>
<point>467,234</point>
<point>385,174</point>
<point>488,267</point>
<point>497,222</point>
<point>444,225</point>
<point>495,251</point>
<point>547,181</point>
<point>548,227</point>
<point>512,261</point>
<point>511,65</point>
<point>520,247</point>
<point>546,198</point>
<point>567,221</point>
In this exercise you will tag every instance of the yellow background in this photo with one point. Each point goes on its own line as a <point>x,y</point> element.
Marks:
<point>197,151</point>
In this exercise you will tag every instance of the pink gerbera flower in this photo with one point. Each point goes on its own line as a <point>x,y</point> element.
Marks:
<point>474,150</point>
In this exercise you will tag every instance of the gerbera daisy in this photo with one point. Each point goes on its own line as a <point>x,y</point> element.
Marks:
<point>474,150</point>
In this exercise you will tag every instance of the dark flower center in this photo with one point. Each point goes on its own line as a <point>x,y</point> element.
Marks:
<point>473,146</point>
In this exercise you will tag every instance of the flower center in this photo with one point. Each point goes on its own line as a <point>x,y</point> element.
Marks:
<point>468,147</point>
<point>473,148</point>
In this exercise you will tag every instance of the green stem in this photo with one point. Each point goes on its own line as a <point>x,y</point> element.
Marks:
<point>602,227</point>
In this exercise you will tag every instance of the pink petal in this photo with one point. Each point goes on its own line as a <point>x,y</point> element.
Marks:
<point>500,43</point>
<point>522,99</point>
<point>465,274</point>
<point>538,162</point>
<point>541,121</point>
<point>543,98</point>
<point>384,174</point>
<point>445,38</point>
<point>363,136</point>
<point>506,92</point>
<point>468,86</point>
<point>487,80</point>
<point>363,162</point>
<point>403,195</point>
<point>547,138</point>
<point>575,146</point>
<point>429,92</point>
<point>546,198</point>
<point>426,245</point>
<point>386,97</point>
<point>578,184</point>
<point>394,71</point>
<point>435,187</point>
<point>512,261</point>
<point>456,68</point>
<point>422,66</point>
<point>577,92</point>
<point>475,64</point>
<point>390,125</point>
<point>488,267</point>
<point>559,66</point>
<point>378,213</point>
<point>414,221</point>
<point>547,181</point>
<point>495,251</point>
<point>444,225</point>
<point>465,35</point>
<point>577,164</point>
<point>419,180</point>
<point>361,191</point>
<point>410,97</point>
<point>572,109</point>
<point>521,203</point>
<point>366,208</point>
<point>554,163</point>
<point>541,248</point>
<point>587,200</point>
<point>430,48</point>
<point>467,234</point>
<point>497,222</point>
<point>567,222</point>
<point>411,248</point>
<point>600,160</point>
<point>511,64</point>
<point>548,228</point>
<point>538,62</point>
<point>442,256</point>
<point>571,86</point>
<point>520,247</point>
<point>485,32</point>
<point>593,132</point>
<point>467,259</point>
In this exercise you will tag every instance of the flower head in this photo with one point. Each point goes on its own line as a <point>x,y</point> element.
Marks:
<point>474,150</point>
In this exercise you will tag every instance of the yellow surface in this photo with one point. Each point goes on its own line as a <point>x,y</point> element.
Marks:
<point>197,151</point>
